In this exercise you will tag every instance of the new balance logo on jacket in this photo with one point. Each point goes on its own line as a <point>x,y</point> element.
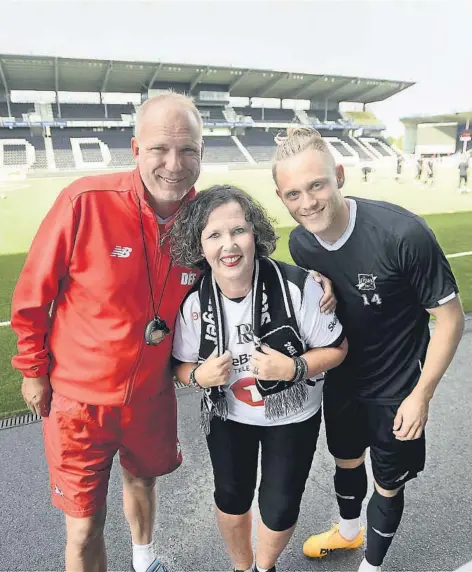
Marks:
<point>122,251</point>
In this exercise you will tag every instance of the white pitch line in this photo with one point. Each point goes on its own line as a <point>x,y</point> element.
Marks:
<point>459,254</point>
<point>456,255</point>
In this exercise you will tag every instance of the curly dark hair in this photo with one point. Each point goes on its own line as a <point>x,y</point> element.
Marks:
<point>186,231</point>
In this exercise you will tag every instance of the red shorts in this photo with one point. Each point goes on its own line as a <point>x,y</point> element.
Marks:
<point>81,440</point>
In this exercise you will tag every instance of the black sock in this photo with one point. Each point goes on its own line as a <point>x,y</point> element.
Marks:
<point>383,518</point>
<point>351,488</point>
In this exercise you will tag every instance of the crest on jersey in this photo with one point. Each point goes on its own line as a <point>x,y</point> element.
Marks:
<point>366,282</point>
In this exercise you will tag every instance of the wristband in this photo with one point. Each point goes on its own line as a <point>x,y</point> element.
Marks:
<point>192,381</point>
<point>301,369</point>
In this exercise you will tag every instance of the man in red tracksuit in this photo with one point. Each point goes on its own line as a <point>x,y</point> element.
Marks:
<point>92,311</point>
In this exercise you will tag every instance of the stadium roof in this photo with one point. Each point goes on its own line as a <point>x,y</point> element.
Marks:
<point>455,117</point>
<point>19,72</point>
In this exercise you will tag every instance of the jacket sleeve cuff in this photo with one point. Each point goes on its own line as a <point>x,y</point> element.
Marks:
<point>35,371</point>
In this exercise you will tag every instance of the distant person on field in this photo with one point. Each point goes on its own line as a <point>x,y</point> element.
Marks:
<point>399,167</point>
<point>419,168</point>
<point>463,176</point>
<point>391,276</point>
<point>366,171</point>
<point>429,170</point>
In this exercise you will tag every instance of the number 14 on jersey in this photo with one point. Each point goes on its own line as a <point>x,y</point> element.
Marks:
<point>376,299</point>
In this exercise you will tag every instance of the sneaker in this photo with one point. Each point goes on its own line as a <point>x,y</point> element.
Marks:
<point>155,566</point>
<point>256,569</point>
<point>320,545</point>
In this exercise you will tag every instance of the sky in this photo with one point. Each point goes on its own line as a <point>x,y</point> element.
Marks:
<point>425,41</point>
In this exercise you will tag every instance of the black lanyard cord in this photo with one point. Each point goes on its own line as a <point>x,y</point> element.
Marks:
<point>148,269</point>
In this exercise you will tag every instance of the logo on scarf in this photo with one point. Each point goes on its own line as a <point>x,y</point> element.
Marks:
<point>265,317</point>
<point>210,328</point>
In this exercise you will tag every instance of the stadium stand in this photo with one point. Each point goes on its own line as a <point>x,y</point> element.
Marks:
<point>17,109</point>
<point>378,147</point>
<point>15,154</point>
<point>62,148</point>
<point>259,143</point>
<point>117,141</point>
<point>115,111</point>
<point>312,118</point>
<point>267,114</point>
<point>222,150</point>
<point>237,134</point>
<point>334,115</point>
<point>212,113</point>
<point>341,148</point>
<point>79,111</point>
<point>358,147</point>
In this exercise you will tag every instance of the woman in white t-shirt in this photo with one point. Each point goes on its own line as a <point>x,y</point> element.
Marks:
<point>251,335</point>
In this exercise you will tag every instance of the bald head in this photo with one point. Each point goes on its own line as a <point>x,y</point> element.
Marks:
<point>170,102</point>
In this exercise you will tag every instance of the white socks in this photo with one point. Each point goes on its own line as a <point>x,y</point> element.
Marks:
<point>349,529</point>
<point>143,556</point>
<point>366,567</point>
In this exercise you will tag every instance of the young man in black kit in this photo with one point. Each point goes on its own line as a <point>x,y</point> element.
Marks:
<point>389,275</point>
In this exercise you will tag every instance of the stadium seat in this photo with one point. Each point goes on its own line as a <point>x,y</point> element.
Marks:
<point>222,150</point>
<point>378,147</point>
<point>341,148</point>
<point>211,113</point>
<point>117,141</point>
<point>115,111</point>
<point>358,147</point>
<point>16,155</point>
<point>267,115</point>
<point>259,143</point>
<point>79,111</point>
<point>17,109</point>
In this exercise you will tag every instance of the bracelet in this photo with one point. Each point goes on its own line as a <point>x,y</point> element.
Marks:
<point>192,380</point>
<point>301,369</point>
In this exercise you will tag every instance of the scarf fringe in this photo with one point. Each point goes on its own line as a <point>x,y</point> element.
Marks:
<point>218,409</point>
<point>285,403</point>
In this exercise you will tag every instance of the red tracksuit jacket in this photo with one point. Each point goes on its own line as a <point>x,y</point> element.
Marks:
<point>87,262</point>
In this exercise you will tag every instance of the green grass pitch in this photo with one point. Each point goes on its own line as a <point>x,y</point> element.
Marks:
<point>26,203</point>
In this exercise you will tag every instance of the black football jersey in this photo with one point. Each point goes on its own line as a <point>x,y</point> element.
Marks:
<point>387,269</point>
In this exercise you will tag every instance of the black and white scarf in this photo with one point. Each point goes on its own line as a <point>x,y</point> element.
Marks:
<point>273,323</point>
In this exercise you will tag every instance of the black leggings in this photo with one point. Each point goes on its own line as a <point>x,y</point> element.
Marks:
<point>286,456</point>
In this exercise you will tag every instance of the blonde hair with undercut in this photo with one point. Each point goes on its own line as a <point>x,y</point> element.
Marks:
<point>297,140</point>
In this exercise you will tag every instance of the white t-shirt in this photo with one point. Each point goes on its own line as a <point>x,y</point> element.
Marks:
<point>245,403</point>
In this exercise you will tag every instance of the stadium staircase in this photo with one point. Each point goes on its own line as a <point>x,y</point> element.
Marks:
<point>372,145</point>
<point>219,149</point>
<point>44,110</point>
<point>312,118</point>
<point>243,150</point>
<point>341,152</point>
<point>364,153</point>
<point>229,114</point>
<point>302,116</point>
<point>260,144</point>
